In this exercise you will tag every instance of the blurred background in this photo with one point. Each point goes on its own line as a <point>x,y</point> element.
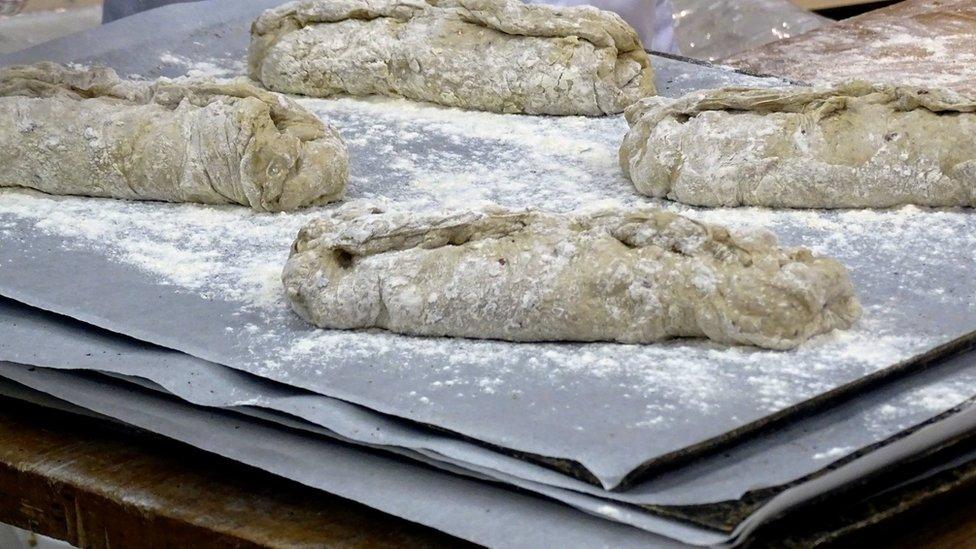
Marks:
<point>705,29</point>
<point>24,23</point>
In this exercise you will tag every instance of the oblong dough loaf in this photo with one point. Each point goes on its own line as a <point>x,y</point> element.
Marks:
<point>88,132</point>
<point>850,146</point>
<point>633,276</point>
<point>492,55</point>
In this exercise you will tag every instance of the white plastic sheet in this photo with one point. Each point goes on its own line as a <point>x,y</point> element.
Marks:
<point>714,29</point>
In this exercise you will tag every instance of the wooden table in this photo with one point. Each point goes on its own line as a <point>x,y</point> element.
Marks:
<point>99,484</point>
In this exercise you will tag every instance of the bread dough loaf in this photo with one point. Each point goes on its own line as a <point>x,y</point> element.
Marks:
<point>851,146</point>
<point>634,276</point>
<point>492,55</point>
<point>87,132</point>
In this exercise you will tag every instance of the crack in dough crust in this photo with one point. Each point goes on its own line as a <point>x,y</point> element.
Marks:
<point>851,146</point>
<point>87,132</point>
<point>633,276</point>
<point>492,55</point>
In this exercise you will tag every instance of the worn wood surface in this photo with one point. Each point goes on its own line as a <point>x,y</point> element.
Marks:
<point>937,514</point>
<point>951,523</point>
<point>98,485</point>
<point>916,42</point>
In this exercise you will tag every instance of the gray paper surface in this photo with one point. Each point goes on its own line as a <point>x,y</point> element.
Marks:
<point>160,53</point>
<point>609,510</point>
<point>774,458</point>
<point>604,508</point>
<point>646,402</point>
<point>204,280</point>
<point>477,511</point>
<point>35,337</point>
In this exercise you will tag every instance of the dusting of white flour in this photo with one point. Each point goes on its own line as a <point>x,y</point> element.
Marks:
<point>214,68</point>
<point>422,157</point>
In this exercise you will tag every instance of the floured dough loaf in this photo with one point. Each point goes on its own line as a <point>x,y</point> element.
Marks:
<point>851,146</point>
<point>633,276</point>
<point>492,55</point>
<point>88,132</point>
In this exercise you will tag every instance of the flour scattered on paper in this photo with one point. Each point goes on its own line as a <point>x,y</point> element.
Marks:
<point>422,157</point>
<point>833,453</point>
<point>214,68</point>
<point>940,398</point>
<point>611,511</point>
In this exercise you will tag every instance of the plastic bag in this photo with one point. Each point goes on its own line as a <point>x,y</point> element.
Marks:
<point>714,29</point>
<point>11,7</point>
<point>652,19</point>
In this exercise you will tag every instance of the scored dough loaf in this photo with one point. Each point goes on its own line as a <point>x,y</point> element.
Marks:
<point>492,55</point>
<point>633,276</point>
<point>88,132</point>
<point>852,146</point>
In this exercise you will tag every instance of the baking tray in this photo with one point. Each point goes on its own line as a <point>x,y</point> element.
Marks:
<point>105,262</point>
<point>111,263</point>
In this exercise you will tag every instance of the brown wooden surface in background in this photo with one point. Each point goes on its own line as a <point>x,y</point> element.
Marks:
<point>950,523</point>
<point>98,485</point>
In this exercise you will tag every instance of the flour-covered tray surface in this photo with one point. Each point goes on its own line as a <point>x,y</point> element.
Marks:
<point>205,280</point>
<point>776,458</point>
